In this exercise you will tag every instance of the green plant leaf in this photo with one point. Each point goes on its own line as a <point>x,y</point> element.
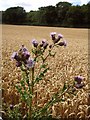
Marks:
<point>64,87</point>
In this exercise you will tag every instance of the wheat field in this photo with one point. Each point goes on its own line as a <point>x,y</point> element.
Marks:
<point>68,62</point>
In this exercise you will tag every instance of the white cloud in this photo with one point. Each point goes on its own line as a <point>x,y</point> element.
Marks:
<point>84,1</point>
<point>34,4</point>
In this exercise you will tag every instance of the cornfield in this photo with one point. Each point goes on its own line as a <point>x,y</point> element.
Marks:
<point>68,62</point>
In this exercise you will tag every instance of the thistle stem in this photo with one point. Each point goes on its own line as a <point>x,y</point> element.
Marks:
<point>30,106</point>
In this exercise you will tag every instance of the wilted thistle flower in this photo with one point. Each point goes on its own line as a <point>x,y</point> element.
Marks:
<point>30,63</point>
<point>35,43</point>
<point>11,107</point>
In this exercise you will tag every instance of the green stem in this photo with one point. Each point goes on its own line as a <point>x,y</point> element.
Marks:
<point>30,107</point>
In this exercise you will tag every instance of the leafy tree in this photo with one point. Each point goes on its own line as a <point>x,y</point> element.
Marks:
<point>14,15</point>
<point>48,15</point>
<point>33,17</point>
<point>62,8</point>
<point>75,16</point>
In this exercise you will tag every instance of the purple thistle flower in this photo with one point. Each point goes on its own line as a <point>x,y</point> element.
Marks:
<point>35,43</point>
<point>79,83</point>
<point>63,43</point>
<point>43,41</point>
<point>26,55</point>
<point>30,63</point>
<point>15,56</point>
<point>44,44</point>
<point>78,79</point>
<point>60,36</point>
<point>18,64</point>
<point>52,34</point>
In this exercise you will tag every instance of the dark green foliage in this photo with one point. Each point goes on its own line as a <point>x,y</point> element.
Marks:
<point>62,8</point>
<point>14,15</point>
<point>74,16</point>
<point>63,14</point>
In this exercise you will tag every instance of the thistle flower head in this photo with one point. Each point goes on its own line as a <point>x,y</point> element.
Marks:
<point>52,34</point>
<point>35,43</point>
<point>44,44</point>
<point>78,83</point>
<point>60,36</point>
<point>25,55</point>
<point>63,43</point>
<point>15,56</point>
<point>78,79</point>
<point>30,63</point>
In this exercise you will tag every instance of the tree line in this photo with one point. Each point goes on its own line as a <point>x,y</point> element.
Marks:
<point>63,14</point>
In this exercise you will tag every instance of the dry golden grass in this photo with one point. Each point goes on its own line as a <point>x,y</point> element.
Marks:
<point>68,62</point>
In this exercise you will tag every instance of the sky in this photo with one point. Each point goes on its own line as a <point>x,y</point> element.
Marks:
<point>35,4</point>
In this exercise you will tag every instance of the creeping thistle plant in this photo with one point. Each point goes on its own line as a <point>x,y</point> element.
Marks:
<point>40,52</point>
